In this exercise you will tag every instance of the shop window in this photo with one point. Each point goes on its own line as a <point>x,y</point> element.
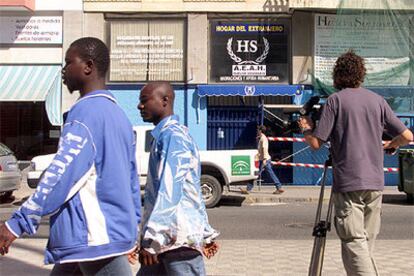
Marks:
<point>25,128</point>
<point>250,51</point>
<point>147,50</point>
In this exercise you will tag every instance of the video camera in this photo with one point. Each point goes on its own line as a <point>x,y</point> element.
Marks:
<point>311,108</point>
<point>308,109</point>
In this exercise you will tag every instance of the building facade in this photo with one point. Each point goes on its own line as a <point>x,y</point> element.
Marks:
<point>228,60</point>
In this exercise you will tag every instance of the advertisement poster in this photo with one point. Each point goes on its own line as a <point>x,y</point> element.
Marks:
<point>370,36</point>
<point>31,29</point>
<point>250,51</point>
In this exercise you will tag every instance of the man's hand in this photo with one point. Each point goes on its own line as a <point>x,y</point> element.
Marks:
<point>403,139</point>
<point>6,239</point>
<point>133,256</point>
<point>305,122</point>
<point>306,125</point>
<point>146,258</point>
<point>390,147</point>
<point>210,249</point>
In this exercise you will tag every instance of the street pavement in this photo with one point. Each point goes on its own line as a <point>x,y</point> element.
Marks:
<point>242,257</point>
<point>249,256</point>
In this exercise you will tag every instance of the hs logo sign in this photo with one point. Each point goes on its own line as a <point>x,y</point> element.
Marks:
<point>246,46</point>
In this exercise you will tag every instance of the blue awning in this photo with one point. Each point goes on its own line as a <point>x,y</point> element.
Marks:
<point>249,90</point>
<point>33,83</point>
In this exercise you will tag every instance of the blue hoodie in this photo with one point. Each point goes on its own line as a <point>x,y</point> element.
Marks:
<point>91,187</point>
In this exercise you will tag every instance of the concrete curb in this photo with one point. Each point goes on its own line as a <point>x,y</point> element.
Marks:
<point>246,200</point>
<point>292,194</point>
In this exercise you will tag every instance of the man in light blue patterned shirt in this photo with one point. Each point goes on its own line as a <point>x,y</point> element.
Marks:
<point>175,228</point>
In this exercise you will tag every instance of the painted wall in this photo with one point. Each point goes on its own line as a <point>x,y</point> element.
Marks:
<point>188,5</point>
<point>58,5</point>
<point>188,106</point>
<point>302,45</point>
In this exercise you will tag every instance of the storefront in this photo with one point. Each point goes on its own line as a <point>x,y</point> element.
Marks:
<point>30,115</point>
<point>30,73</point>
<point>240,54</point>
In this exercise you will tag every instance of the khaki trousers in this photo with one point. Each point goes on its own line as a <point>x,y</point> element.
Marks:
<point>357,222</point>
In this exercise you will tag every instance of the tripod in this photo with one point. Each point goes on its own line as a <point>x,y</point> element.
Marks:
<point>321,227</point>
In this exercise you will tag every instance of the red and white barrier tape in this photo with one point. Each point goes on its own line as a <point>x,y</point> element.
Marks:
<point>286,139</point>
<point>290,139</point>
<point>316,166</point>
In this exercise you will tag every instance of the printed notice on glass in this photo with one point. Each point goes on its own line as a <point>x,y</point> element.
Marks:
<point>133,57</point>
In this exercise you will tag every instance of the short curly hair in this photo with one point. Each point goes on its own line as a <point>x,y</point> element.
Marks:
<point>261,128</point>
<point>349,71</point>
<point>94,49</point>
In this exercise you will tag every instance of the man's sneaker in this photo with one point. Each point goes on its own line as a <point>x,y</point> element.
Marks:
<point>244,191</point>
<point>278,191</point>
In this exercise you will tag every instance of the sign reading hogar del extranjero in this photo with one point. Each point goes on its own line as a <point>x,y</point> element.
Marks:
<point>240,165</point>
<point>250,52</point>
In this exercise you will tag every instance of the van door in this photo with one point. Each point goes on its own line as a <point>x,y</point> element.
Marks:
<point>143,147</point>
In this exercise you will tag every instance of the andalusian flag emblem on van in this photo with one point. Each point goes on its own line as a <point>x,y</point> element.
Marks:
<point>240,165</point>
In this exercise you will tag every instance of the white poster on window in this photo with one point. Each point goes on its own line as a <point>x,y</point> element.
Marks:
<point>31,29</point>
<point>380,41</point>
<point>147,50</point>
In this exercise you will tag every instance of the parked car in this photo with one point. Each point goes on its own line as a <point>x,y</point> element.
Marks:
<point>219,168</point>
<point>10,174</point>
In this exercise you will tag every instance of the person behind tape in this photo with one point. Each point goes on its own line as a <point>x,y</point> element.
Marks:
<point>91,188</point>
<point>354,120</point>
<point>265,162</point>
<point>175,227</point>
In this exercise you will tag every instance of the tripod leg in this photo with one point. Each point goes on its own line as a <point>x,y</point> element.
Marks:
<point>318,251</point>
<point>320,229</point>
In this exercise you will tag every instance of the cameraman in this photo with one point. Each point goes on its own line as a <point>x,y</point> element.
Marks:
<point>353,120</point>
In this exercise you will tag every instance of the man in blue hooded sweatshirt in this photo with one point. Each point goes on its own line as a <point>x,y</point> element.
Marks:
<point>91,188</point>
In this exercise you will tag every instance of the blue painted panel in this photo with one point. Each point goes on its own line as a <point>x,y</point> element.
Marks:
<point>197,118</point>
<point>185,106</point>
<point>128,101</point>
<point>249,90</point>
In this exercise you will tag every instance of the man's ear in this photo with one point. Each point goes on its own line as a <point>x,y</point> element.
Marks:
<point>165,101</point>
<point>89,67</point>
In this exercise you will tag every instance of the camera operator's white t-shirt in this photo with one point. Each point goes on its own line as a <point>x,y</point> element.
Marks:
<point>354,120</point>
